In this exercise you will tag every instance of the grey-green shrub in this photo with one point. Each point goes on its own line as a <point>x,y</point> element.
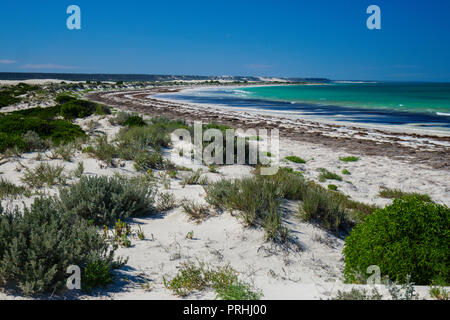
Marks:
<point>33,142</point>
<point>38,244</point>
<point>104,200</point>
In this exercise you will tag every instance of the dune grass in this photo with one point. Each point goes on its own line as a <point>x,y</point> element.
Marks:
<point>11,190</point>
<point>399,194</point>
<point>223,280</point>
<point>328,175</point>
<point>295,159</point>
<point>44,174</point>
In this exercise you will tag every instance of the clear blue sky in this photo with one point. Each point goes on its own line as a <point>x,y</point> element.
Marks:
<point>303,38</point>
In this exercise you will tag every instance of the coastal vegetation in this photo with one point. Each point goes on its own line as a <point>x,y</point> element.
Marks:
<point>40,243</point>
<point>406,239</point>
<point>399,194</point>
<point>38,128</point>
<point>295,159</point>
<point>349,159</point>
<point>223,280</point>
<point>328,175</point>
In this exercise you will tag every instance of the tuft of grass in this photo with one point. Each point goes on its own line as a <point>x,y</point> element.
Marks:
<point>97,273</point>
<point>44,175</point>
<point>349,159</point>
<point>328,175</point>
<point>332,187</point>
<point>295,159</point>
<point>10,190</point>
<point>439,293</point>
<point>196,212</point>
<point>192,179</point>
<point>165,201</point>
<point>399,194</point>
<point>346,172</point>
<point>224,280</point>
<point>356,294</point>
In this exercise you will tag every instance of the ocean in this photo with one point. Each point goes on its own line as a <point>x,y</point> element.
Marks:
<point>416,105</point>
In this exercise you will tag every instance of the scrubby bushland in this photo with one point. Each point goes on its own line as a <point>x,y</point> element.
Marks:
<point>10,95</point>
<point>38,244</point>
<point>104,200</point>
<point>15,125</point>
<point>409,237</point>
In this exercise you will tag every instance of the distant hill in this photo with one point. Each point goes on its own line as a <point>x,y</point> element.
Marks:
<point>18,76</point>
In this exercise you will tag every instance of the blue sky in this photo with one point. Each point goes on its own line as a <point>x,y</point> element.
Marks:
<point>310,38</point>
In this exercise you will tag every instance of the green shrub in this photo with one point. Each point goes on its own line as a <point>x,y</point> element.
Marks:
<point>44,174</point>
<point>97,273</point>
<point>33,142</point>
<point>120,118</point>
<point>38,244</point>
<point>14,126</point>
<point>75,108</point>
<point>63,98</point>
<point>135,121</point>
<point>149,160</point>
<point>104,200</point>
<point>409,237</point>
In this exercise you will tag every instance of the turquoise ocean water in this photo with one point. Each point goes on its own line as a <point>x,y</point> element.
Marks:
<point>411,97</point>
<point>417,105</point>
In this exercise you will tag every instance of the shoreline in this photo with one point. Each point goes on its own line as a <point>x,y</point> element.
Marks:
<point>419,148</point>
<point>409,129</point>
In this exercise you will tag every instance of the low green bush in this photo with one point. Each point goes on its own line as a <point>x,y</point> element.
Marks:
<point>135,121</point>
<point>96,273</point>
<point>410,237</point>
<point>40,243</point>
<point>76,108</point>
<point>104,200</point>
